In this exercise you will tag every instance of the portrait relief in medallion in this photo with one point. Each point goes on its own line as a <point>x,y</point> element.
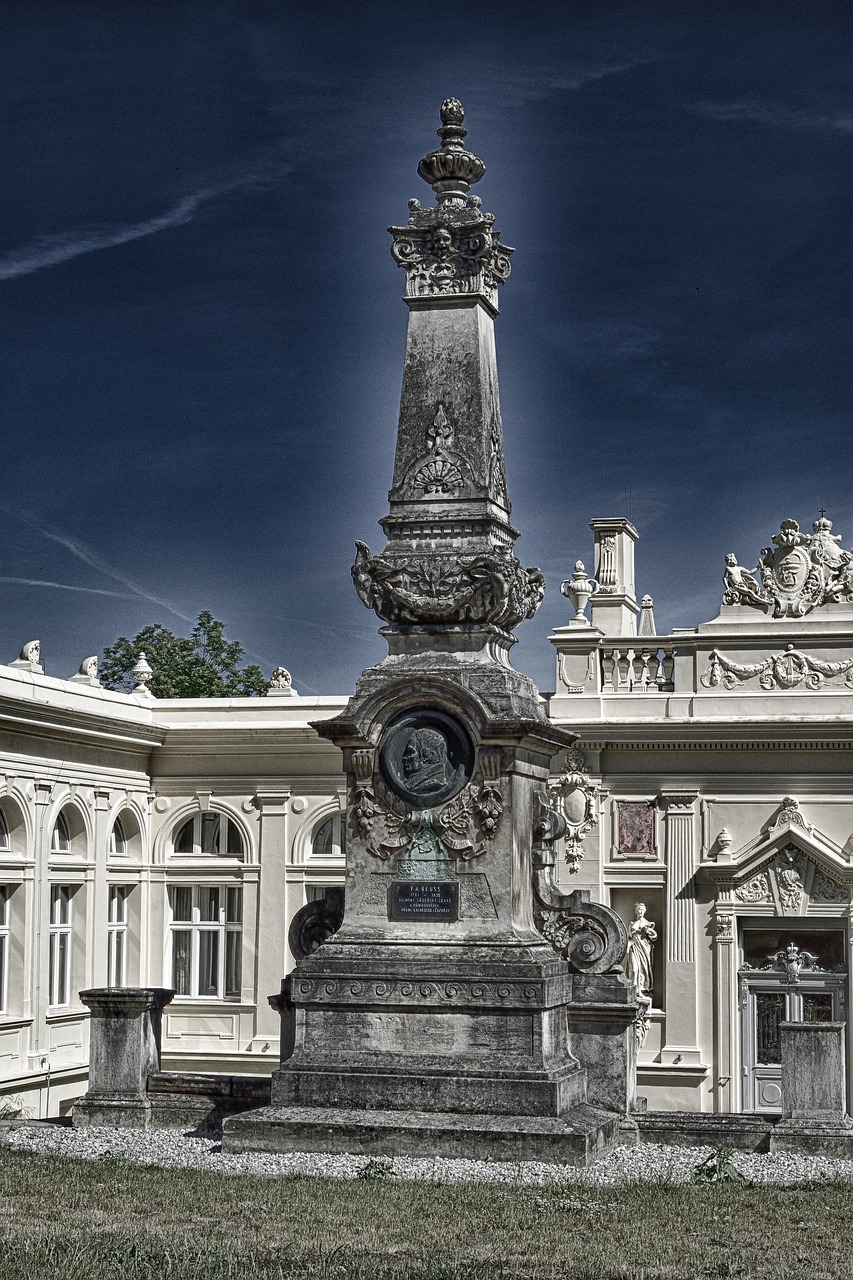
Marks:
<point>426,757</point>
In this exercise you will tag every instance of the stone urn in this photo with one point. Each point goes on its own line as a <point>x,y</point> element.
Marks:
<point>579,589</point>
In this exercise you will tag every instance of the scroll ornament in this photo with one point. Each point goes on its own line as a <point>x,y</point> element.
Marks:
<point>577,798</point>
<point>588,935</point>
<point>782,670</point>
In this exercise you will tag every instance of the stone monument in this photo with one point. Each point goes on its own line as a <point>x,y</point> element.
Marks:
<point>438,1019</point>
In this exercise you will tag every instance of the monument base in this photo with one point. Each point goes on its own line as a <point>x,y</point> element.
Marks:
<point>582,1135</point>
<point>814,1137</point>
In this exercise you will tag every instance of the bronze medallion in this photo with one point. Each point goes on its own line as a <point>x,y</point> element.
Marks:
<point>426,757</point>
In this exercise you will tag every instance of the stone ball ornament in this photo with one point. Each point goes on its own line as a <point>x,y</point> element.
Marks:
<point>426,757</point>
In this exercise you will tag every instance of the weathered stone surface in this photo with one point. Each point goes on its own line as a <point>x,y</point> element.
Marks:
<point>814,1091</point>
<point>446,1030</point>
<point>185,1100</point>
<point>577,1139</point>
<point>700,1129</point>
<point>124,1049</point>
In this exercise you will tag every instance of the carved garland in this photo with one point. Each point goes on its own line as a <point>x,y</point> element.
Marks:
<point>781,670</point>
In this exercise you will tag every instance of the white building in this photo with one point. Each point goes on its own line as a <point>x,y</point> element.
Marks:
<point>170,843</point>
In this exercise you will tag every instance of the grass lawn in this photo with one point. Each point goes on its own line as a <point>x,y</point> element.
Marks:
<point>107,1218</point>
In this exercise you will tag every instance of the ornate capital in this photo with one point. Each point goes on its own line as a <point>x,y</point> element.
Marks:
<point>453,248</point>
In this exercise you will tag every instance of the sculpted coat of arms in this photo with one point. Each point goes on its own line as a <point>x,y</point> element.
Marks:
<point>798,573</point>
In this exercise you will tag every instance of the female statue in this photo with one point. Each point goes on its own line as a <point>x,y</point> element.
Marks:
<point>638,959</point>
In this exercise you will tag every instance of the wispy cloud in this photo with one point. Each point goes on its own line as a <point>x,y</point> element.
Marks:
<point>53,250</point>
<point>67,586</point>
<point>774,113</point>
<point>91,558</point>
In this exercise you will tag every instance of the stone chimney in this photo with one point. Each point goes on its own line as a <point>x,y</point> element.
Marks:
<point>614,605</point>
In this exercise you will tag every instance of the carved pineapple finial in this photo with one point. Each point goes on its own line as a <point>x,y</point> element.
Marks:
<point>452,170</point>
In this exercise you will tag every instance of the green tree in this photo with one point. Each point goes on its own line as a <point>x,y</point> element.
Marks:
<point>205,665</point>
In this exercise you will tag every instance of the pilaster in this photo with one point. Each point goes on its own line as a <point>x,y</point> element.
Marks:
<point>681,987</point>
<point>614,605</point>
<point>272,905</point>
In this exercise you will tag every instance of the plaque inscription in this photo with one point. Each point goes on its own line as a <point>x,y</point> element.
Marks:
<point>423,900</point>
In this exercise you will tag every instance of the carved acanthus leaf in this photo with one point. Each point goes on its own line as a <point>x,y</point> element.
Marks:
<point>755,890</point>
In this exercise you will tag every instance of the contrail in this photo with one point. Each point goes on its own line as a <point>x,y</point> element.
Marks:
<point>66,586</point>
<point>52,250</point>
<point>89,557</point>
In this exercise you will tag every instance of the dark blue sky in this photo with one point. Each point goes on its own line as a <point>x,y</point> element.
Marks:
<point>204,335</point>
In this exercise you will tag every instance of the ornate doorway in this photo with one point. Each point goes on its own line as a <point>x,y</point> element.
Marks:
<point>786,976</point>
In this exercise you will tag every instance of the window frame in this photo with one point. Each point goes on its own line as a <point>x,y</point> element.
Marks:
<point>60,945</point>
<point>335,822</point>
<point>226,930</point>
<point>5,946</point>
<point>56,845</point>
<point>114,850</point>
<point>226,828</point>
<point>117,934</point>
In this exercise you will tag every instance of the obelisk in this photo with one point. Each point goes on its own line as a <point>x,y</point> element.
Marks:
<point>435,1021</point>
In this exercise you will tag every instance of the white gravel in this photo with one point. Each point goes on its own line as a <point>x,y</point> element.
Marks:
<point>169,1148</point>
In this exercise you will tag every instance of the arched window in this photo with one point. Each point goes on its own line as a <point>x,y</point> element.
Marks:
<point>329,839</point>
<point>209,835</point>
<point>60,840</point>
<point>118,840</point>
<point>5,838</point>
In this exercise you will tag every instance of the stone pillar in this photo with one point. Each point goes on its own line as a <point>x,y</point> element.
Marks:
<point>614,605</point>
<point>96,967</point>
<point>680,927</point>
<point>602,1031</point>
<point>814,1091</point>
<point>124,1049</point>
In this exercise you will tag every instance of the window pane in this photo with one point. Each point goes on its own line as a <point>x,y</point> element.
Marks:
<point>4,944</point>
<point>60,995</point>
<point>60,840</point>
<point>322,844</point>
<point>60,904</point>
<point>4,906</point>
<point>817,1006</point>
<point>234,841</point>
<point>208,903</point>
<point>233,956</point>
<point>115,958</point>
<point>234,907</point>
<point>210,833</point>
<point>118,842</point>
<point>182,902</point>
<point>118,904</point>
<point>184,838</point>
<point>208,962</point>
<point>181,961</point>
<point>4,831</point>
<point>769,1012</point>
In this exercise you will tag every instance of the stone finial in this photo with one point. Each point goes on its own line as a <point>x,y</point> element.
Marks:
<point>579,589</point>
<point>88,673</point>
<point>452,170</point>
<point>29,658</point>
<point>142,673</point>
<point>647,626</point>
<point>281,684</point>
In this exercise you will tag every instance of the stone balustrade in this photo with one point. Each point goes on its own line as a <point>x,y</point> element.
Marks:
<point>637,670</point>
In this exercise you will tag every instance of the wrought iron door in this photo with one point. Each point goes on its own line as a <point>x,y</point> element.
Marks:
<point>793,987</point>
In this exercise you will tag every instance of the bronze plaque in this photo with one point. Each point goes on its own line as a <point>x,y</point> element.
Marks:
<point>436,900</point>
<point>426,757</point>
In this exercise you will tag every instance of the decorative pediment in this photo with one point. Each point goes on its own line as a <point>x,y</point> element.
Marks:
<point>788,870</point>
<point>800,572</point>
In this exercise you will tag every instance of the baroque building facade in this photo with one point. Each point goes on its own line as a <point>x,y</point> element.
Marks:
<point>172,842</point>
